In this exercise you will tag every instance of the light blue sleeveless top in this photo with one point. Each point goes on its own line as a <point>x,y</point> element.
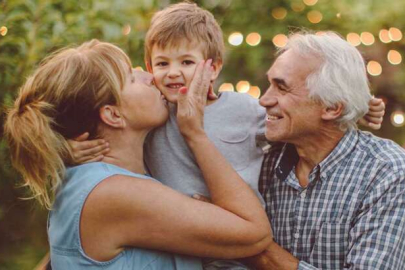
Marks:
<point>64,219</point>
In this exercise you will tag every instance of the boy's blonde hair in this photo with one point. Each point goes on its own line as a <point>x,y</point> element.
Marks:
<point>60,101</point>
<point>170,26</point>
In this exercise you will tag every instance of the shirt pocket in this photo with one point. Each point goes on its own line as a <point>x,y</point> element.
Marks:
<point>235,148</point>
<point>331,246</point>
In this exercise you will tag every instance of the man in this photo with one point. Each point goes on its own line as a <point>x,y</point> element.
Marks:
<point>335,196</point>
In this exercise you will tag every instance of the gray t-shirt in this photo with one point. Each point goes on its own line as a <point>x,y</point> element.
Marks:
<point>232,123</point>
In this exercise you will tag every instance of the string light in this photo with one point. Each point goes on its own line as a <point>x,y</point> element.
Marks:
<point>367,38</point>
<point>243,86</point>
<point>354,39</point>
<point>280,40</point>
<point>314,16</point>
<point>384,36</point>
<point>126,30</point>
<point>3,31</point>
<point>226,87</point>
<point>253,39</point>
<point>235,39</point>
<point>398,118</point>
<point>254,91</point>
<point>279,13</point>
<point>297,6</point>
<point>310,2</point>
<point>394,57</point>
<point>395,34</point>
<point>374,68</point>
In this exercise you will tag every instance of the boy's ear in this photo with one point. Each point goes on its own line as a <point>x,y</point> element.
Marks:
<point>111,116</point>
<point>333,113</point>
<point>149,67</point>
<point>217,64</point>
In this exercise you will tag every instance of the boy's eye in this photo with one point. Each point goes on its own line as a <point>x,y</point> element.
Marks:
<point>161,64</point>
<point>188,62</point>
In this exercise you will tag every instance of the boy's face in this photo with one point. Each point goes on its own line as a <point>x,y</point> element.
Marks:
<point>173,67</point>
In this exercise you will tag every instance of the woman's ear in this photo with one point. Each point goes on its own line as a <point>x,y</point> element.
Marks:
<point>333,113</point>
<point>111,116</point>
<point>217,65</point>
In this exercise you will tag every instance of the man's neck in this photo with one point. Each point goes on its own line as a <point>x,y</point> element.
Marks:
<point>312,151</point>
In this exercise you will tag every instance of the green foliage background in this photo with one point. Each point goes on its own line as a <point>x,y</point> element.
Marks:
<point>38,27</point>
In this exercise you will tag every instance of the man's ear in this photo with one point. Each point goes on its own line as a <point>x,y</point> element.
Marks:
<point>217,64</point>
<point>332,113</point>
<point>149,67</point>
<point>111,116</point>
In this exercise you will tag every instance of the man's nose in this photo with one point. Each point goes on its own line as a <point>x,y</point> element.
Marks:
<point>268,99</point>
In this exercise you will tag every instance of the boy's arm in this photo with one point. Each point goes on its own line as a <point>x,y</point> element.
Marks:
<point>85,151</point>
<point>374,117</point>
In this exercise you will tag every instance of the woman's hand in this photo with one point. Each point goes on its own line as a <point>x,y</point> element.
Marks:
<point>191,102</point>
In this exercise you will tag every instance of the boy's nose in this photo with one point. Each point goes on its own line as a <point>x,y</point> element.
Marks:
<point>174,72</point>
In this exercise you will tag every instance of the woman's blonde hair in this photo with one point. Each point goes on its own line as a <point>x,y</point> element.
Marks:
<point>60,101</point>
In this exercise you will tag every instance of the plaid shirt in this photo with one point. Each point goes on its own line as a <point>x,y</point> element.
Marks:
<point>352,213</point>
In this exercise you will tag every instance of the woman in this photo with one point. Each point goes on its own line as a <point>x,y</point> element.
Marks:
<point>109,214</point>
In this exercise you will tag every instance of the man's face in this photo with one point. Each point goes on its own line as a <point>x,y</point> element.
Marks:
<point>291,114</point>
<point>173,67</point>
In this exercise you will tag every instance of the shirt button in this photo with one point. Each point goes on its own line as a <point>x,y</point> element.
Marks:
<point>296,235</point>
<point>303,194</point>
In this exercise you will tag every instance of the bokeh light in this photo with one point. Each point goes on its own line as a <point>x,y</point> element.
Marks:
<point>280,40</point>
<point>398,118</point>
<point>254,91</point>
<point>235,39</point>
<point>297,6</point>
<point>3,31</point>
<point>354,39</point>
<point>314,16</point>
<point>310,2</point>
<point>279,13</point>
<point>226,87</point>
<point>384,36</point>
<point>139,68</point>
<point>339,15</point>
<point>394,57</point>
<point>367,38</point>
<point>243,86</point>
<point>395,34</point>
<point>374,68</point>
<point>126,30</point>
<point>253,39</point>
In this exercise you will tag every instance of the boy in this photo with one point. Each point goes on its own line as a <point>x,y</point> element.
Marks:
<point>180,36</point>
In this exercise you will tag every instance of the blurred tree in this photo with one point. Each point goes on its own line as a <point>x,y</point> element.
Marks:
<point>31,29</point>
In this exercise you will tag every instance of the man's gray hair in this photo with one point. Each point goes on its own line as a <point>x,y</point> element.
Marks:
<point>341,77</point>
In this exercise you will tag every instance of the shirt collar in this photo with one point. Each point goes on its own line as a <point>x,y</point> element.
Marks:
<point>289,157</point>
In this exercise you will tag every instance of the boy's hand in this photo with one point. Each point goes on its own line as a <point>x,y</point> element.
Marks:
<point>374,117</point>
<point>84,151</point>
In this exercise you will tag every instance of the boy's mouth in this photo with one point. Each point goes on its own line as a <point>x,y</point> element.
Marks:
<point>174,85</point>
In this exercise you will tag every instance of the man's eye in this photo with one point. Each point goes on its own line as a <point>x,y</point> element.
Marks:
<point>188,62</point>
